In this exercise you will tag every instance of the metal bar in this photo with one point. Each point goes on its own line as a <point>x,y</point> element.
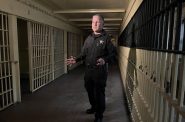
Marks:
<point>164,39</point>
<point>184,36</point>
<point>178,25</point>
<point>171,25</point>
<point>156,32</point>
<point>161,28</point>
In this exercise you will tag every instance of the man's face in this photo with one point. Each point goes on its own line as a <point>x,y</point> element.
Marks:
<point>97,24</point>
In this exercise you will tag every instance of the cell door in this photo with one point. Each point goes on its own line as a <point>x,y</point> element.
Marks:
<point>58,42</point>
<point>6,84</point>
<point>40,55</point>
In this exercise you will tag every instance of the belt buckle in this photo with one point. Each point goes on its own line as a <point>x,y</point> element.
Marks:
<point>91,66</point>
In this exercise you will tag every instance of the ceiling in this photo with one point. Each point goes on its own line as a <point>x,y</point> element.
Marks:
<point>79,12</point>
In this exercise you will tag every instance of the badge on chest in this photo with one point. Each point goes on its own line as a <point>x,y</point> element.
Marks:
<point>100,42</point>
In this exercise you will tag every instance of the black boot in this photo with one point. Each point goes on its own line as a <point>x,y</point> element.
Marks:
<point>98,120</point>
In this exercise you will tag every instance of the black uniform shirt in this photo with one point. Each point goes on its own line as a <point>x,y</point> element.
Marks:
<point>97,46</point>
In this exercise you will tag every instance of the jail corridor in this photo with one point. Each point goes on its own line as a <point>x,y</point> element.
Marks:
<point>65,100</point>
<point>146,84</point>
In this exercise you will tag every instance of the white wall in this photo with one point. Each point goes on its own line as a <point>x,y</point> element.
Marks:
<point>32,11</point>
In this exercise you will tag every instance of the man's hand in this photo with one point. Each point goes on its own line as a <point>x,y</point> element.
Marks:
<point>71,60</point>
<point>100,61</point>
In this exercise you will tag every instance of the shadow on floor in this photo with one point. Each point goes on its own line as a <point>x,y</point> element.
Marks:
<point>65,100</point>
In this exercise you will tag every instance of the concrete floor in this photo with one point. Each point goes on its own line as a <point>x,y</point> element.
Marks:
<point>65,100</point>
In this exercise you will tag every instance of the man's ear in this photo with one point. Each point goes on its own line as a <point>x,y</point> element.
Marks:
<point>103,25</point>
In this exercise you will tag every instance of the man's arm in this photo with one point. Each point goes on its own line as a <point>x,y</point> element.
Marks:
<point>110,51</point>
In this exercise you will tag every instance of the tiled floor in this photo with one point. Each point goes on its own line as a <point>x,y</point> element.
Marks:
<point>65,100</point>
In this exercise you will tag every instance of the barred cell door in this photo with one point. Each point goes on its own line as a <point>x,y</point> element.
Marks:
<point>6,83</point>
<point>40,55</point>
<point>58,42</point>
<point>69,47</point>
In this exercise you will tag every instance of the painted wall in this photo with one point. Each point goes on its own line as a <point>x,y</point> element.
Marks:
<point>32,11</point>
<point>125,51</point>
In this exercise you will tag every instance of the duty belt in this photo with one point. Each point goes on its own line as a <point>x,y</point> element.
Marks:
<point>94,66</point>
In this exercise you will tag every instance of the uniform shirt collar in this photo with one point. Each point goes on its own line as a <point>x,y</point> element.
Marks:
<point>102,33</point>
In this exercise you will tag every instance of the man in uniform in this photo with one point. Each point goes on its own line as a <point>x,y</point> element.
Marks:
<point>97,51</point>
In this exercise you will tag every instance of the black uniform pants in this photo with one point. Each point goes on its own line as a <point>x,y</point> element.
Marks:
<point>95,82</point>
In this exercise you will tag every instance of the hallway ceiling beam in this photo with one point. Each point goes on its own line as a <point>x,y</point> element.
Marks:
<point>107,28</point>
<point>109,24</point>
<point>74,11</point>
<point>89,19</point>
